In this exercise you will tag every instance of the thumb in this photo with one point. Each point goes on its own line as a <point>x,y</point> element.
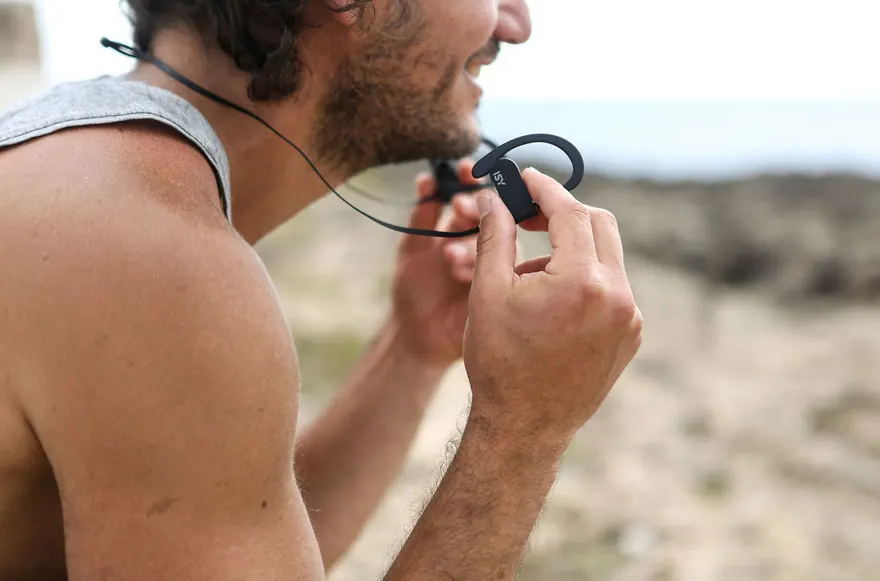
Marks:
<point>425,216</point>
<point>496,245</point>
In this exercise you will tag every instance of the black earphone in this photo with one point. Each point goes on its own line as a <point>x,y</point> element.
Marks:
<point>504,173</point>
<point>445,174</point>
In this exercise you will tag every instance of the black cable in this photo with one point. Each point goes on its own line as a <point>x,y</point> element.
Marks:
<point>137,54</point>
<point>444,193</point>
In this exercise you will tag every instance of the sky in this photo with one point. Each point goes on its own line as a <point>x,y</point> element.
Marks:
<point>693,49</point>
<point>712,89</point>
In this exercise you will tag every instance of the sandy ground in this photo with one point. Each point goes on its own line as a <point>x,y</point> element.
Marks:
<point>745,448</point>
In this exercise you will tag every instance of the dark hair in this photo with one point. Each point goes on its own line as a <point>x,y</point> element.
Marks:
<point>259,35</point>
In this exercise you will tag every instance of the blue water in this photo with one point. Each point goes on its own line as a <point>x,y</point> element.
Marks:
<point>700,140</point>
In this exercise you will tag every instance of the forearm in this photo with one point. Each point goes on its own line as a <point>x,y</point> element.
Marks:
<point>479,521</point>
<point>349,457</point>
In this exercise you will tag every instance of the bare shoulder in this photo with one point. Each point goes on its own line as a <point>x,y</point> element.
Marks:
<point>123,218</point>
<point>119,260</point>
<point>152,360</point>
<point>132,163</point>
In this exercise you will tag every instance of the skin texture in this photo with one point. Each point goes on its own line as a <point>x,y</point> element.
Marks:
<point>149,383</point>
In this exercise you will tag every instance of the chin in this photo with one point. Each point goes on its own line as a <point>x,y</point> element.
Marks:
<point>462,138</point>
<point>471,129</point>
<point>468,133</point>
<point>362,126</point>
<point>454,136</point>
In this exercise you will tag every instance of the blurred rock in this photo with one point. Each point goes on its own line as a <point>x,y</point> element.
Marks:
<point>801,237</point>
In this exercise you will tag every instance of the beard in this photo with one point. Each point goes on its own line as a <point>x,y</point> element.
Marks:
<point>378,109</point>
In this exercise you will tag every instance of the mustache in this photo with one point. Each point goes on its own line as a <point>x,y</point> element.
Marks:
<point>490,51</point>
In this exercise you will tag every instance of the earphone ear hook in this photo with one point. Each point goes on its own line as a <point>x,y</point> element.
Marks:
<point>509,183</point>
<point>485,166</point>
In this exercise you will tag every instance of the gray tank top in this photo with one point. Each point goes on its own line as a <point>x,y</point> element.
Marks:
<point>106,100</point>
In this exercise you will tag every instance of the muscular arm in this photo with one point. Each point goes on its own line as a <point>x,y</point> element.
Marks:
<point>478,523</point>
<point>162,380</point>
<point>166,403</point>
<point>349,457</point>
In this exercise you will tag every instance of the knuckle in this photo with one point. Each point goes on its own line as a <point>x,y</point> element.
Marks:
<point>636,331</point>
<point>605,216</point>
<point>580,212</point>
<point>465,207</point>
<point>621,309</point>
<point>485,240</point>
<point>593,287</point>
<point>633,345</point>
<point>638,322</point>
<point>590,287</point>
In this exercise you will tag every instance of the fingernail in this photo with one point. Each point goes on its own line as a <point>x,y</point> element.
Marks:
<point>533,170</point>
<point>484,204</point>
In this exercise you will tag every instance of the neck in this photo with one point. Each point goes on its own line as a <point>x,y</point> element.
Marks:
<point>271,182</point>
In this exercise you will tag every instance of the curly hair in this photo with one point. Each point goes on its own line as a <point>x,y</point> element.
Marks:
<point>259,35</point>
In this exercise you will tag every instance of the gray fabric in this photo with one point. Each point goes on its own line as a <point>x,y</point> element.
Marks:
<point>106,100</point>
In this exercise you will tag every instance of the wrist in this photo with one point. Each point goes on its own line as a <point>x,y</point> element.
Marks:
<point>409,352</point>
<point>417,376</point>
<point>511,436</point>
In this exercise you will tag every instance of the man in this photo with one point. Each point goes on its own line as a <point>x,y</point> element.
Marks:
<point>148,400</point>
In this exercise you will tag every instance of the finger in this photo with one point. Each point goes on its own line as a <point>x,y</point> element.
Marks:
<point>465,167</point>
<point>568,221</point>
<point>496,247</point>
<point>461,254</point>
<point>465,214</point>
<point>609,247</point>
<point>426,186</point>
<point>466,207</point>
<point>462,251</point>
<point>537,224</point>
<point>549,194</point>
<point>532,266</point>
<point>630,350</point>
<point>424,216</point>
<point>464,274</point>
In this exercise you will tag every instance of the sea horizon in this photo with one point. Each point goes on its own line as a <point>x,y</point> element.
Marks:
<point>670,140</point>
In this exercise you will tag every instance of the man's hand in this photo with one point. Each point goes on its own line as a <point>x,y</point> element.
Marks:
<point>547,339</point>
<point>348,457</point>
<point>433,276</point>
